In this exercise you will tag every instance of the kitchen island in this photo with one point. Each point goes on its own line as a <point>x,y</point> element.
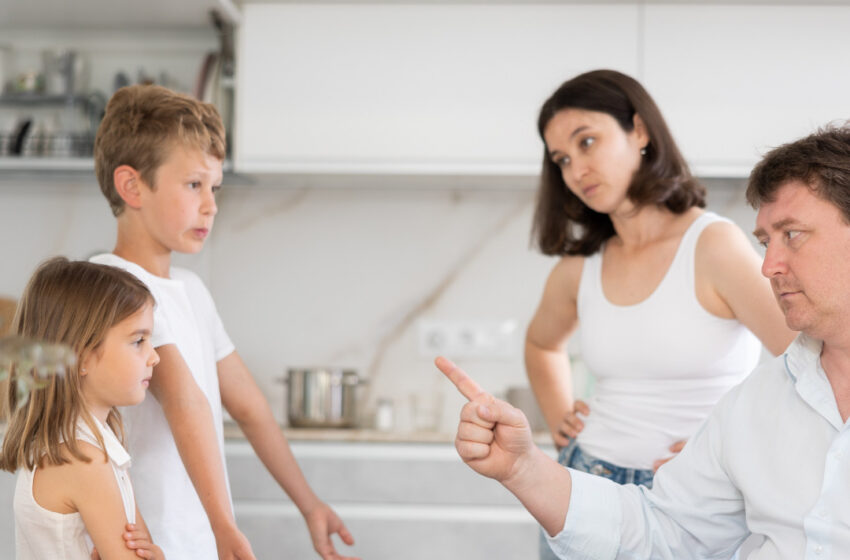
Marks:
<point>402,495</point>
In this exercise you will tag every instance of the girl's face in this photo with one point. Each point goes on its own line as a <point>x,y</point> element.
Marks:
<point>596,156</point>
<point>118,372</point>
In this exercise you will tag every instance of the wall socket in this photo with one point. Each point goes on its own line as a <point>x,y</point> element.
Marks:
<point>468,339</point>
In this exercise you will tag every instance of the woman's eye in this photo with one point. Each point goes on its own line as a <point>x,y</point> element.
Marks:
<point>562,161</point>
<point>587,142</point>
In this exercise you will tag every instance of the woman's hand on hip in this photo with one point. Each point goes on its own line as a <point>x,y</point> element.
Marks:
<point>675,449</point>
<point>571,425</point>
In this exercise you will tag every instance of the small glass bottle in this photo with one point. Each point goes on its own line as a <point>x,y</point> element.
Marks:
<point>384,415</point>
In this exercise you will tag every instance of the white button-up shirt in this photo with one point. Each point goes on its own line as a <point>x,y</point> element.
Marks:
<point>773,459</point>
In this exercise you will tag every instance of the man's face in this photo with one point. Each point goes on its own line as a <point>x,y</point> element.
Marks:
<point>807,260</point>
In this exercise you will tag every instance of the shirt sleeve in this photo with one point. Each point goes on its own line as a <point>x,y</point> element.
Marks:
<point>693,511</point>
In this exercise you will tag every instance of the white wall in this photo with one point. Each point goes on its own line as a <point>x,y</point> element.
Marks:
<point>335,276</point>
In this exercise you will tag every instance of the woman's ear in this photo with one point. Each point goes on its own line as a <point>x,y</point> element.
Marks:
<point>640,130</point>
<point>128,185</point>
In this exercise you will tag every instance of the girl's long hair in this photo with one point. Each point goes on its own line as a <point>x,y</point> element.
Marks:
<point>73,303</point>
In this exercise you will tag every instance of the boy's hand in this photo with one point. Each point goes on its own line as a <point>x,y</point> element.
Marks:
<point>233,545</point>
<point>139,540</point>
<point>323,522</point>
<point>493,437</point>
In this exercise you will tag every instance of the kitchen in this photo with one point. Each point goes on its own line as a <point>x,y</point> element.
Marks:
<point>367,237</point>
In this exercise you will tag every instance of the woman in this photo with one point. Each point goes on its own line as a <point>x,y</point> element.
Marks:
<point>669,296</point>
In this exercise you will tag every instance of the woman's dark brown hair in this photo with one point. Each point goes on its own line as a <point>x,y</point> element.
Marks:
<point>563,224</point>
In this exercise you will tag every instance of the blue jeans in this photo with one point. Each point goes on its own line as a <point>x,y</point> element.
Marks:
<point>572,456</point>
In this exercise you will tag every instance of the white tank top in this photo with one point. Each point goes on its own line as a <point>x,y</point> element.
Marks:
<point>659,365</point>
<point>41,534</point>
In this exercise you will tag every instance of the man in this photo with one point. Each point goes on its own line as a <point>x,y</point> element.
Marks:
<point>773,459</point>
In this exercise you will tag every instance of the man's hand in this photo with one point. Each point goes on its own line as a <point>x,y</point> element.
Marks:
<point>493,437</point>
<point>323,522</point>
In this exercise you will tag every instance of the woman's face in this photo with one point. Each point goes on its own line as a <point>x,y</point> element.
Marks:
<point>596,156</point>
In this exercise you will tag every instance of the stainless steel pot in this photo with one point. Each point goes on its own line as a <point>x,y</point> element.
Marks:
<point>321,397</point>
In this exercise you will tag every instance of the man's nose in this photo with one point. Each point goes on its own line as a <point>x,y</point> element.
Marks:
<point>775,261</point>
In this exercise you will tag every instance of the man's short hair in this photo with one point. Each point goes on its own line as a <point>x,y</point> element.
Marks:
<point>142,123</point>
<point>820,160</point>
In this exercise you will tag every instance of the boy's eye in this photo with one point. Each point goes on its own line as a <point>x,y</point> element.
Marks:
<point>139,341</point>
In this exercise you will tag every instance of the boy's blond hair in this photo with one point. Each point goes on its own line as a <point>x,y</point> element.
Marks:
<point>141,124</point>
<point>73,303</point>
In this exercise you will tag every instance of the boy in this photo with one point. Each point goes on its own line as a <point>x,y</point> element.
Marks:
<point>158,159</point>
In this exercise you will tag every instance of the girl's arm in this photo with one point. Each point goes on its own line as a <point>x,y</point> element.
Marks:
<point>730,284</point>
<point>92,490</point>
<point>545,358</point>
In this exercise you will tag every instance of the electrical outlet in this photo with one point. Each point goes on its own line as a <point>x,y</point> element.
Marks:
<point>468,339</point>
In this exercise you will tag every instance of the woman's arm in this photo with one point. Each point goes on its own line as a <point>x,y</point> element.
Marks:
<point>729,284</point>
<point>546,360</point>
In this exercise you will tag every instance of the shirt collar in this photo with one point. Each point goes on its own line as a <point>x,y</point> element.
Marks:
<point>116,452</point>
<point>803,356</point>
<point>803,365</point>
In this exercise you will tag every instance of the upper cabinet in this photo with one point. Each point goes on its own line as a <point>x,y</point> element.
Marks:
<point>454,88</point>
<point>425,88</point>
<point>734,81</point>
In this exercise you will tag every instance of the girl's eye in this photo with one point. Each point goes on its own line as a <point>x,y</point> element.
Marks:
<point>216,188</point>
<point>139,341</point>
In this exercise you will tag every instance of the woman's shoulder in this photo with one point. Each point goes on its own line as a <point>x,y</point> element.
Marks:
<point>567,271</point>
<point>721,239</point>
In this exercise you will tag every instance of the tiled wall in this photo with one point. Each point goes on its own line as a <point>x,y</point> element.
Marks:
<point>336,276</point>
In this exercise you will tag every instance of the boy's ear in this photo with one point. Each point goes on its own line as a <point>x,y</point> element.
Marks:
<point>128,185</point>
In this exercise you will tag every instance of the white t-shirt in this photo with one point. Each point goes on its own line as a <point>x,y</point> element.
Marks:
<point>185,315</point>
<point>41,533</point>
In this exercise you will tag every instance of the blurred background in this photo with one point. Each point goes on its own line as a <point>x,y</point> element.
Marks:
<point>377,201</point>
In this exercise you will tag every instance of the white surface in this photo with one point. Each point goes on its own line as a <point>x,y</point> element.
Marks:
<point>734,81</point>
<point>412,87</point>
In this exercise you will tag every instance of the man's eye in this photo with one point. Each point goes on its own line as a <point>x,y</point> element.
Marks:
<point>791,234</point>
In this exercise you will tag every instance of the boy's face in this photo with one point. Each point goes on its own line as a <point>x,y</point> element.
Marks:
<point>179,210</point>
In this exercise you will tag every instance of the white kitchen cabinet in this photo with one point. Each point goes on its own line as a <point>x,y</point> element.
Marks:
<point>400,500</point>
<point>735,80</point>
<point>438,88</point>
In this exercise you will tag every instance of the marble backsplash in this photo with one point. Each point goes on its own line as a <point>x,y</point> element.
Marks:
<point>339,276</point>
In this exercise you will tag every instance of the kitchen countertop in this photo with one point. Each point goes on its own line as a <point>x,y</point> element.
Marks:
<point>232,432</point>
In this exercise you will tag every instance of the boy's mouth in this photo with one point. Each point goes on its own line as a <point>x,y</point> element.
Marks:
<point>201,232</point>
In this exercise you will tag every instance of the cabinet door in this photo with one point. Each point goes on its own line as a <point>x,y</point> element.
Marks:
<point>734,81</point>
<point>412,88</point>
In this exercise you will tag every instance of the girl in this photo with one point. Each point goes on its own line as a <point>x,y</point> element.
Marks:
<point>669,296</point>
<point>65,439</point>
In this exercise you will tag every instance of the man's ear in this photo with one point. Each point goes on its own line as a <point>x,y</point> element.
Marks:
<point>128,185</point>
